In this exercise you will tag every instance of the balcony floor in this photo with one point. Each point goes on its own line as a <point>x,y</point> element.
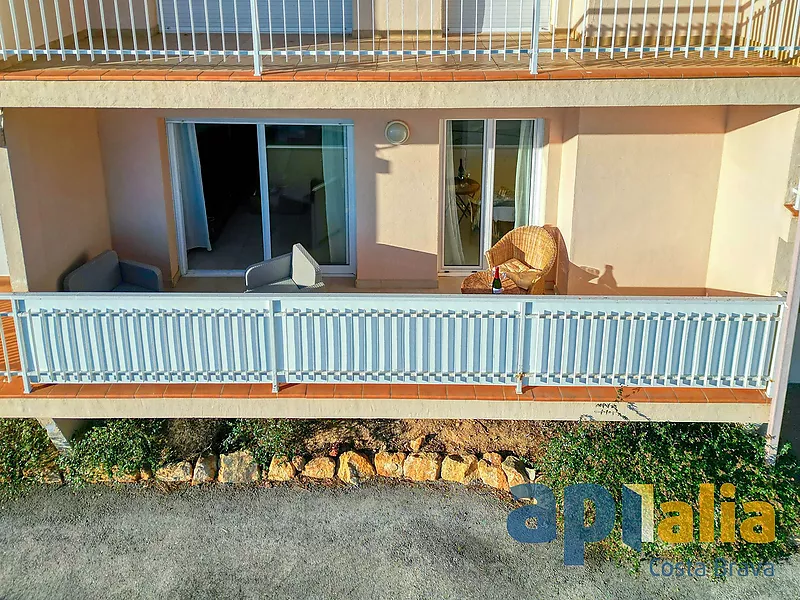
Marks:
<point>377,391</point>
<point>334,285</point>
<point>338,68</point>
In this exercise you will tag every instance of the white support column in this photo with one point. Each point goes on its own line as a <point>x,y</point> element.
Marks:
<point>60,431</point>
<point>783,354</point>
<point>256,33</point>
<point>11,236</point>
<point>537,10</point>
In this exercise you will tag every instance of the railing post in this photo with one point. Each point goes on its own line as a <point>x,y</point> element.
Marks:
<point>256,34</point>
<point>521,317</point>
<point>16,308</point>
<point>273,340</point>
<point>537,9</point>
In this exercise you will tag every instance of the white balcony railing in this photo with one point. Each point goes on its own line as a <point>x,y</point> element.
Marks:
<point>263,32</point>
<point>619,341</point>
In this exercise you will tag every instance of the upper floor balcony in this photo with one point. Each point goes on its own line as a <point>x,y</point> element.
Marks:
<point>404,40</point>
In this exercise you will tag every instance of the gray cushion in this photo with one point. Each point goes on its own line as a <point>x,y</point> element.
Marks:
<point>106,273</point>
<point>141,275</point>
<point>101,274</point>
<point>281,286</point>
<point>268,271</point>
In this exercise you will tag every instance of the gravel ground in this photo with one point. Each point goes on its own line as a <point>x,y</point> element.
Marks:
<point>371,542</point>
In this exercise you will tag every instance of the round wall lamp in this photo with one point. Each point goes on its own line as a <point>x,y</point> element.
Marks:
<point>396,132</point>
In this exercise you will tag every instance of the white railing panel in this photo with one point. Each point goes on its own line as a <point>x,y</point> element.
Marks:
<point>524,340</point>
<point>129,338</point>
<point>372,338</point>
<point>716,342</point>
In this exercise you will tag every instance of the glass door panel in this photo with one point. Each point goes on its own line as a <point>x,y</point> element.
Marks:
<point>464,156</point>
<point>307,184</point>
<point>513,176</point>
<point>219,186</point>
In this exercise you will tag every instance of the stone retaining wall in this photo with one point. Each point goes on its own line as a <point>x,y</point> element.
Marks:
<point>350,467</point>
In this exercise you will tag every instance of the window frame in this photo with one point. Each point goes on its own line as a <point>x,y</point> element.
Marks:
<point>535,200</point>
<point>347,269</point>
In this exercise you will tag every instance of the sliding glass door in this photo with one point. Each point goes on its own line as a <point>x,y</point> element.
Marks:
<point>307,186</point>
<point>246,192</point>
<point>489,186</point>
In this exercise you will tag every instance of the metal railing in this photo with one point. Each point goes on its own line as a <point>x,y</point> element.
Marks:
<point>359,338</point>
<point>268,31</point>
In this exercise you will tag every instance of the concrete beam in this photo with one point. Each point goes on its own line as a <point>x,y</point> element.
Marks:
<point>396,408</point>
<point>483,95</point>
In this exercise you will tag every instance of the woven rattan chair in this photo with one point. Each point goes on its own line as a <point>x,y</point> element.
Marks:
<point>524,250</point>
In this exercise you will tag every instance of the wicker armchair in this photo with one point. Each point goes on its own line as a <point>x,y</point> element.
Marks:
<point>523,252</point>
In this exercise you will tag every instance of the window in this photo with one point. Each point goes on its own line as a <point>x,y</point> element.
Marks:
<point>490,172</point>
<point>246,192</point>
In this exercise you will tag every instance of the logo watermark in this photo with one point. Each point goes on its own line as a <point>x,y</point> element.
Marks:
<point>536,523</point>
<point>719,568</point>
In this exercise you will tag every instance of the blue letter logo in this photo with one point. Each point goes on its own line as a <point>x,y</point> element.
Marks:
<point>576,534</point>
<point>544,511</point>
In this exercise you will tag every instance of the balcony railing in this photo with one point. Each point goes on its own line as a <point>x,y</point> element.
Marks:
<point>266,32</point>
<point>360,338</point>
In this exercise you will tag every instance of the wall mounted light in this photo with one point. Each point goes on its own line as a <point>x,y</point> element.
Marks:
<point>396,133</point>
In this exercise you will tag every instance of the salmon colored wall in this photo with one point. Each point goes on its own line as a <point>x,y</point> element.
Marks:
<point>566,192</point>
<point>402,15</point>
<point>752,240</point>
<point>59,191</point>
<point>397,191</point>
<point>638,218</point>
<point>139,203</point>
<point>397,188</point>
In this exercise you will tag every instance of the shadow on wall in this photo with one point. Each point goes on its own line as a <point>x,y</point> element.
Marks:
<point>585,280</point>
<point>402,267</point>
<point>397,204</point>
<point>81,260</point>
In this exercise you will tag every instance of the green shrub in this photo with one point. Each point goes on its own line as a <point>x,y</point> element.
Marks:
<point>676,458</point>
<point>263,437</point>
<point>26,453</point>
<point>116,446</point>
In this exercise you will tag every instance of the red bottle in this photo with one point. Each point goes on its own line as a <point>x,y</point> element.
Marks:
<point>497,285</point>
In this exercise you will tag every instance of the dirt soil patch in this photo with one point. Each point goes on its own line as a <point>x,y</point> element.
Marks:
<point>523,438</point>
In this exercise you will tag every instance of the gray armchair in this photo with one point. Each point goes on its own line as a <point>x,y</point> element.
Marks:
<point>293,272</point>
<point>107,273</point>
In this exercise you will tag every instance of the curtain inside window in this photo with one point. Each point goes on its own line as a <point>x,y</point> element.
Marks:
<point>193,202</point>
<point>524,179</point>
<point>453,248</point>
<point>333,172</point>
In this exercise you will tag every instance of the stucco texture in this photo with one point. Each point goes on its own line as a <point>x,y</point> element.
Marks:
<point>753,232</point>
<point>58,195</point>
<point>638,207</point>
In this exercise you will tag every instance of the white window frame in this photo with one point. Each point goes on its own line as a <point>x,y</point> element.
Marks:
<point>535,200</point>
<point>348,269</point>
